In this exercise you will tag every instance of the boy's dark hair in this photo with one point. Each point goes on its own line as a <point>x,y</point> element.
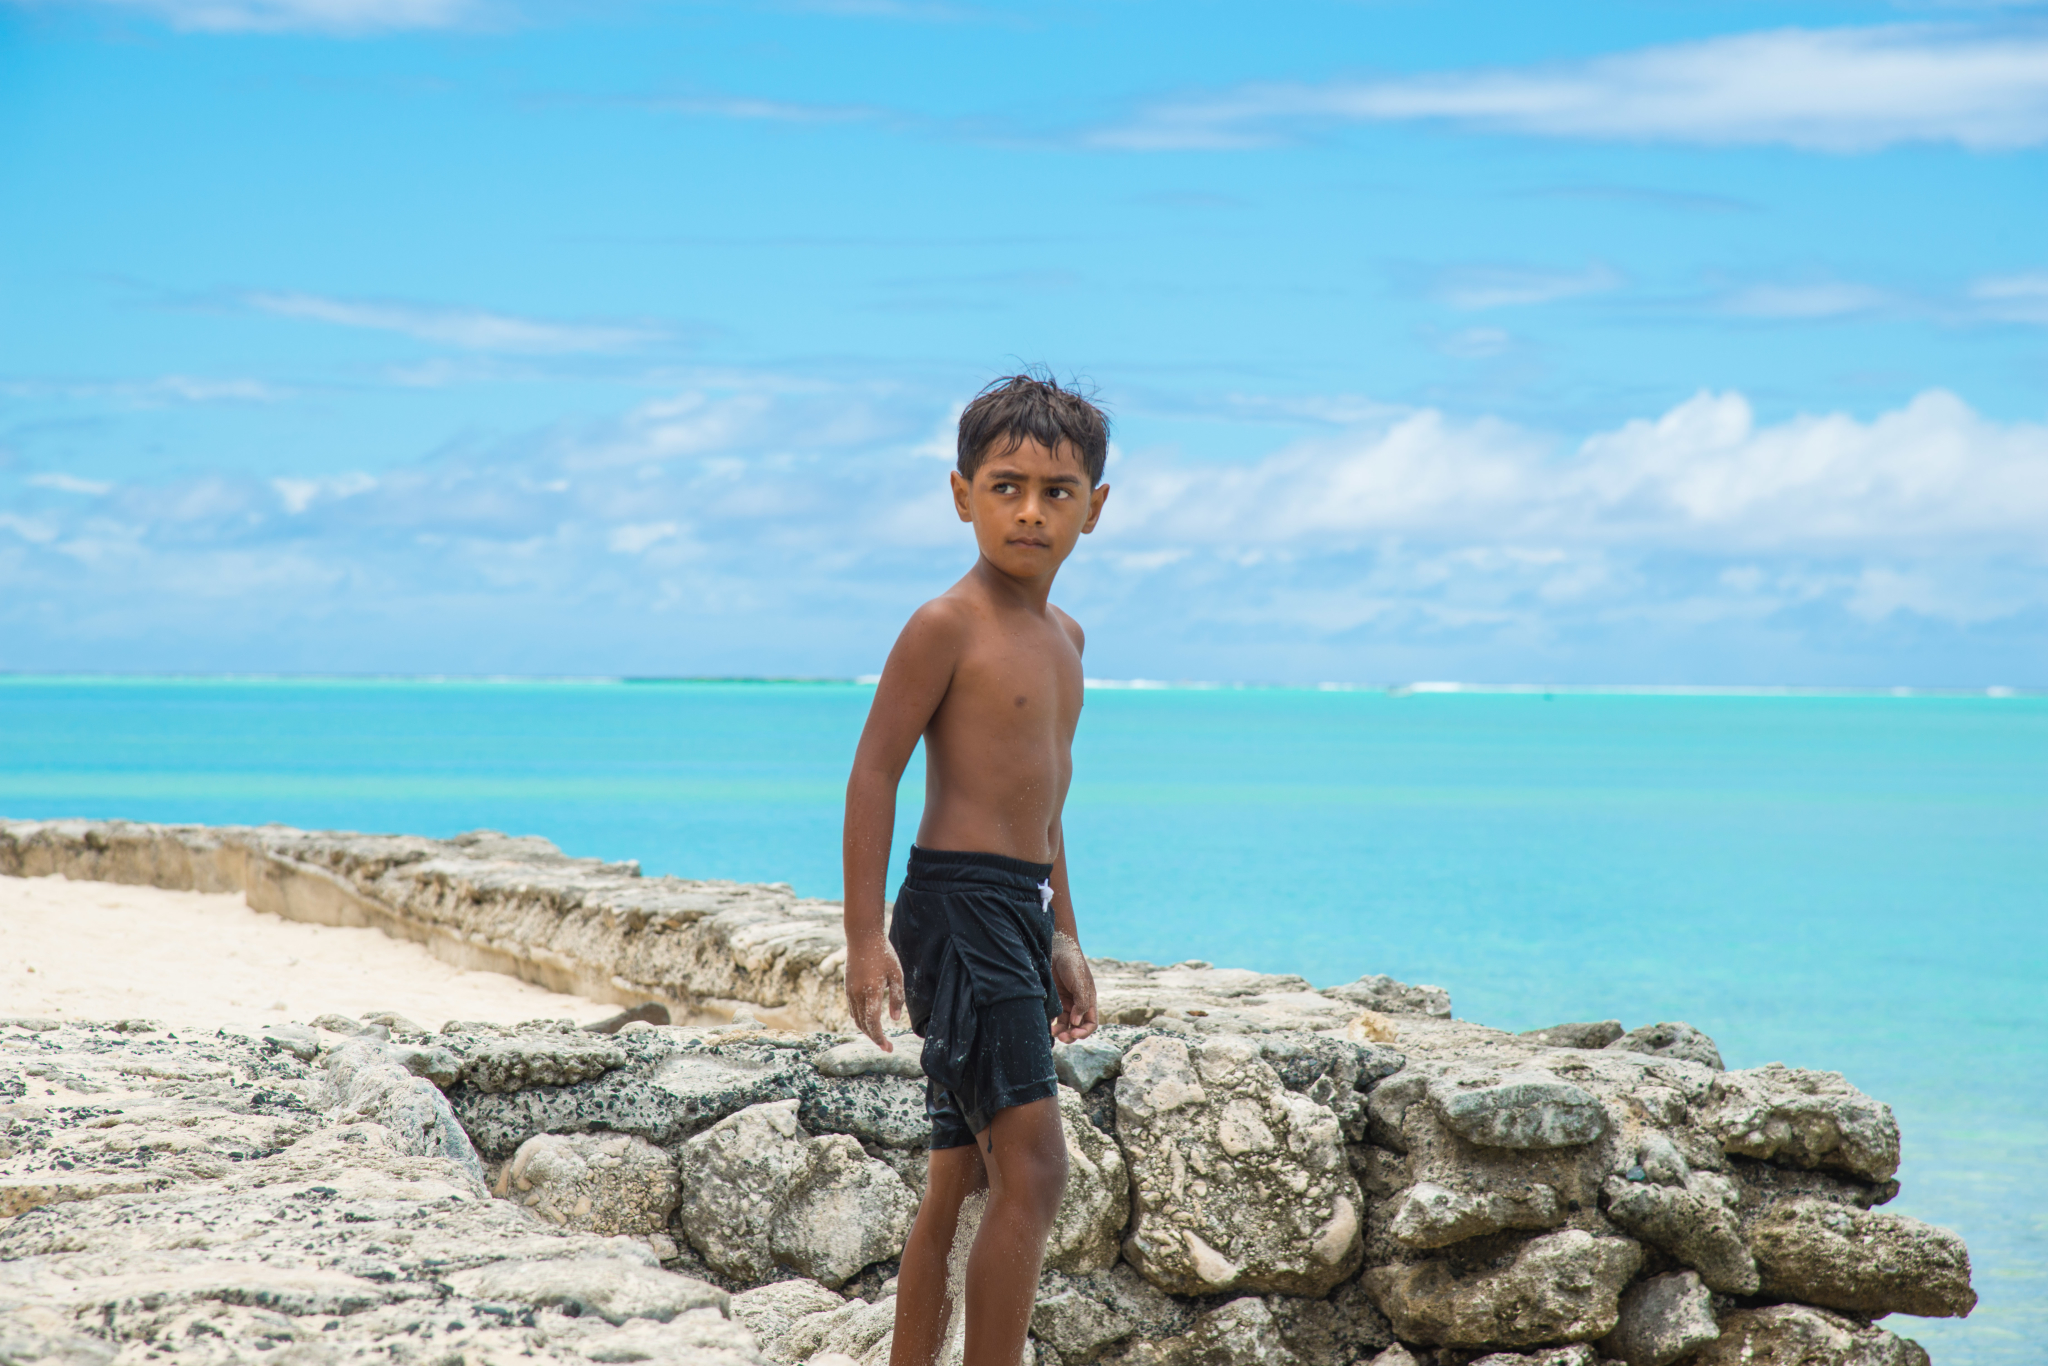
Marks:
<point>1030,407</point>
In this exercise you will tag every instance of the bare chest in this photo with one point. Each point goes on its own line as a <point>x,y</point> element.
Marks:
<point>1026,690</point>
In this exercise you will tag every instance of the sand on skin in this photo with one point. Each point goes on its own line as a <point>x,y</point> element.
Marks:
<point>104,951</point>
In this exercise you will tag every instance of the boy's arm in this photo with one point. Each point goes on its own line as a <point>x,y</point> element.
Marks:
<point>914,682</point>
<point>1070,972</point>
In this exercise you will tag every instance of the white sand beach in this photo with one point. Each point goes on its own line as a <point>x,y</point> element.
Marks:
<point>102,951</point>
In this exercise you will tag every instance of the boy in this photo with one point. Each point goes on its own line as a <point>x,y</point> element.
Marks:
<point>983,944</point>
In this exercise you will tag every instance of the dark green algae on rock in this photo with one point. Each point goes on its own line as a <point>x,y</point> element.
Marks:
<point>664,1092</point>
<point>666,1089</point>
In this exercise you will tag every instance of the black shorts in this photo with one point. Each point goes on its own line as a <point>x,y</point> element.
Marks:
<point>974,935</point>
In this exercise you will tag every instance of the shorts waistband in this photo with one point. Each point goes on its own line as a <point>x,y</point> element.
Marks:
<point>961,865</point>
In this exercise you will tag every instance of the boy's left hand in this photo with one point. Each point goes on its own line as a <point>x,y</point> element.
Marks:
<point>1076,986</point>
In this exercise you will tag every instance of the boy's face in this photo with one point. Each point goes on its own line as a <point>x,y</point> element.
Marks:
<point>1029,507</point>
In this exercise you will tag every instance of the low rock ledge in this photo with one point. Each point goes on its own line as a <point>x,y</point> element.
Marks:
<point>1263,1174</point>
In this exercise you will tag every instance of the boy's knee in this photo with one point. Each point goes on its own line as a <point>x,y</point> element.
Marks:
<point>1037,1171</point>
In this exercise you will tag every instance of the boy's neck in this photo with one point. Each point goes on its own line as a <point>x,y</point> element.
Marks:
<point>1028,594</point>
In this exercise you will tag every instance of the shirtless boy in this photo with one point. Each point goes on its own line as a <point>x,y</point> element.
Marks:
<point>982,944</point>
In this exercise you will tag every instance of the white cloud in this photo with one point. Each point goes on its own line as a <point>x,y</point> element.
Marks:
<point>1818,299</point>
<point>2013,298</point>
<point>341,17</point>
<point>34,532</point>
<point>1482,287</point>
<point>470,329</point>
<point>1832,90</point>
<point>1476,343</point>
<point>1704,477</point>
<point>299,494</point>
<point>632,539</point>
<point>69,483</point>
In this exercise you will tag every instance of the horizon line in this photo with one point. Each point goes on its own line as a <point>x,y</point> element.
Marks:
<point>1391,689</point>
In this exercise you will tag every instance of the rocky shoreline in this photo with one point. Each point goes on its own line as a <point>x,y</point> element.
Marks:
<point>1263,1173</point>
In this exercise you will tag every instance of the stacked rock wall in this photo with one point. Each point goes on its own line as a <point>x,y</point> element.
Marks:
<point>1261,1172</point>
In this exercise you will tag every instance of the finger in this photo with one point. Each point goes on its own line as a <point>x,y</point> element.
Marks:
<point>896,1000</point>
<point>871,1018</point>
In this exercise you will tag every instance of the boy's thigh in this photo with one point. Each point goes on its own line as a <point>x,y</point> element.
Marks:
<point>1026,1143</point>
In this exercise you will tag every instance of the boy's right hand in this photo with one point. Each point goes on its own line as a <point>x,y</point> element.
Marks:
<point>873,978</point>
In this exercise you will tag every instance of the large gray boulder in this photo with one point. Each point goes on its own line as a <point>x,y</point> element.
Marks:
<point>1087,1233</point>
<point>769,1311</point>
<point>599,1183</point>
<point>1560,1287</point>
<point>856,1329</point>
<point>365,1083</point>
<point>1694,1222</point>
<point>881,1109</point>
<point>665,1094</point>
<point>1427,1215</point>
<point>758,1193</point>
<point>1862,1261</point>
<point>1798,1118</point>
<point>1662,1319</point>
<point>1239,1183</point>
<point>1799,1335</point>
<point>844,1211</point>
<point>1082,1317</point>
<point>1519,1110</point>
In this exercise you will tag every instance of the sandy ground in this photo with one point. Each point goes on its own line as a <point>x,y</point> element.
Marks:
<point>102,951</point>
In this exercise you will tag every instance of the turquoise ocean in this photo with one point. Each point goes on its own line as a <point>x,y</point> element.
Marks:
<point>1856,883</point>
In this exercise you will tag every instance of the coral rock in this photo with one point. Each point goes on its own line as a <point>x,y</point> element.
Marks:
<point>1240,1184</point>
<point>1662,1319</point>
<point>599,1183</point>
<point>1562,1286</point>
<point>1862,1261</point>
<point>1795,1335</point>
<point>1798,1118</point>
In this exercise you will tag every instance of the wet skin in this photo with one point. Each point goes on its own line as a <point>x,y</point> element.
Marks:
<point>988,675</point>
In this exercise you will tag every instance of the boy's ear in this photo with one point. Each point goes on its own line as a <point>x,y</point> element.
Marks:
<point>1096,499</point>
<point>961,488</point>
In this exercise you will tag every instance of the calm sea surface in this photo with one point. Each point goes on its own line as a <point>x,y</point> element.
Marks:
<point>1852,883</point>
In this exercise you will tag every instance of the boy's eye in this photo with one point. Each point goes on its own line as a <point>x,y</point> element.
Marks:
<point>1004,486</point>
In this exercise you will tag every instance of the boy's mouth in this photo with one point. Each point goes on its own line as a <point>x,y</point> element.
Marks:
<point>1031,542</point>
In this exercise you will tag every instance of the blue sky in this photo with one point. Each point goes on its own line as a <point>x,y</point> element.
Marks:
<point>1657,342</point>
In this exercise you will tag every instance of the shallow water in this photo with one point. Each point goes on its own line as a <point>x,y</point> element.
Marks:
<point>1853,883</point>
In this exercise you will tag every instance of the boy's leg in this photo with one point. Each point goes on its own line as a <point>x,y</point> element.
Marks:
<point>1025,1152</point>
<point>922,1310</point>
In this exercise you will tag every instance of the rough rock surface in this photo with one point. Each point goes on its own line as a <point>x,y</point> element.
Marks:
<point>1795,1335</point>
<point>1087,1234</point>
<point>1694,1222</point>
<point>759,1193</point>
<point>540,1060</point>
<point>1865,1262</point>
<point>1803,1119</point>
<point>1584,1034</point>
<point>205,1199</point>
<point>1514,1200</point>
<point>599,1183</point>
<point>1559,1287</point>
<point>1673,1039</point>
<point>1212,1136</point>
<point>1662,1319</point>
